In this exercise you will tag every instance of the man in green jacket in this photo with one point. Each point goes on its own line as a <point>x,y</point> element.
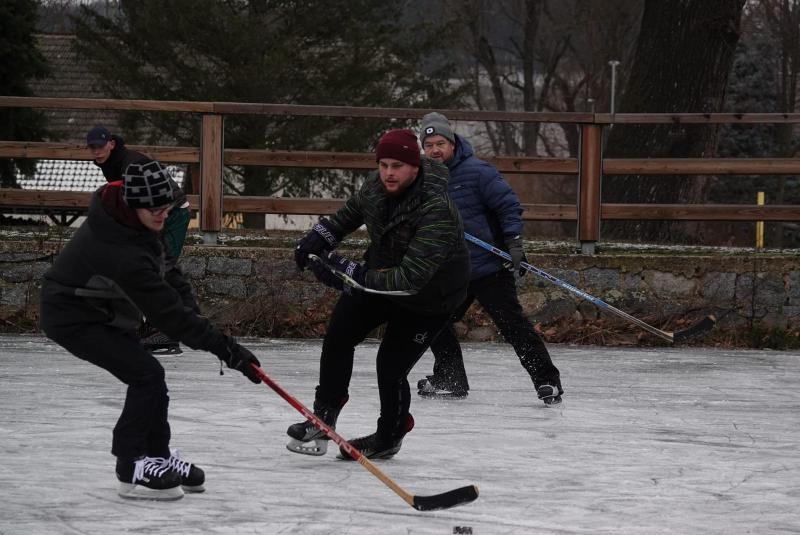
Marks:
<point>417,249</point>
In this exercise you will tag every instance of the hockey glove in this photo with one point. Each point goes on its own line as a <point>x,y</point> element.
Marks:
<point>316,241</point>
<point>514,244</point>
<point>335,262</point>
<point>238,357</point>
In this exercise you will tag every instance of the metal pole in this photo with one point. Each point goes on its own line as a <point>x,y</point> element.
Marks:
<point>613,64</point>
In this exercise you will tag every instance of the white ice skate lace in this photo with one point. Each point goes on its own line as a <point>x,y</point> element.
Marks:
<point>177,464</point>
<point>149,466</point>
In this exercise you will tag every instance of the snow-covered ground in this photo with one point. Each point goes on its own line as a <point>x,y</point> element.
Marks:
<point>647,441</point>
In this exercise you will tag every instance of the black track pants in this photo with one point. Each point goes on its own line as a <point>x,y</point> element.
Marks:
<point>407,336</point>
<point>497,294</point>
<point>142,428</point>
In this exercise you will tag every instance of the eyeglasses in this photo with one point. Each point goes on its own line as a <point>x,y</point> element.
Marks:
<point>155,212</point>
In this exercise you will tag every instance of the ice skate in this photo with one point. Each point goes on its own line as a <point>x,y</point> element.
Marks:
<point>307,438</point>
<point>159,343</point>
<point>430,387</point>
<point>192,476</point>
<point>549,394</point>
<point>148,478</point>
<point>375,446</point>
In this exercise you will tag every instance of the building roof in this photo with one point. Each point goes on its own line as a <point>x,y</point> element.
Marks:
<point>70,77</point>
<point>76,175</point>
<point>64,175</point>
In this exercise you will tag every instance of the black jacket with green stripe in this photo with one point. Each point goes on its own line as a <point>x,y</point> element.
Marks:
<point>416,240</point>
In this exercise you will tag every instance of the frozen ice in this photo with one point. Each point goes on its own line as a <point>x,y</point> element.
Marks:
<point>656,441</point>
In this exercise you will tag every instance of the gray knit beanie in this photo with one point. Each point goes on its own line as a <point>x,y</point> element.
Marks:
<point>436,124</point>
<point>147,184</point>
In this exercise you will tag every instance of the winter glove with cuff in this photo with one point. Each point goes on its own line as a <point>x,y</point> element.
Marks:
<point>333,261</point>
<point>514,245</point>
<point>317,241</point>
<point>237,357</point>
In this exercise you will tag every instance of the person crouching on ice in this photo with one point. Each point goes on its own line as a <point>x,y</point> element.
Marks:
<point>416,247</point>
<point>92,301</point>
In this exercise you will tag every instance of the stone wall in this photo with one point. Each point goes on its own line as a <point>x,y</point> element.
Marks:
<point>256,291</point>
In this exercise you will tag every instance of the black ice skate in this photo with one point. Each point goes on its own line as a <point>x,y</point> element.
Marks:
<point>192,476</point>
<point>307,438</point>
<point>375,446</point>
<point>159,343</point>
<point>551,395</point>
<point>430,387</point>
<point>148,479</point>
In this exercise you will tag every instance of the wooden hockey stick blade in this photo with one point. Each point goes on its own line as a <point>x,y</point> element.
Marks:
<point>702,326</point>
<point>349,281</point>
<point>446,500</point>
<point>421,503</point>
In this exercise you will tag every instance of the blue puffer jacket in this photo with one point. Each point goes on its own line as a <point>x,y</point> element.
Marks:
<point>489,207</point>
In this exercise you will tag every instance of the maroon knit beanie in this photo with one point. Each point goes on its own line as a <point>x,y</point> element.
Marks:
<point>399,144</point>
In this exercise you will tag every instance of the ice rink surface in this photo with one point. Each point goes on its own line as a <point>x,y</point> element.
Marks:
<point>647,441</point>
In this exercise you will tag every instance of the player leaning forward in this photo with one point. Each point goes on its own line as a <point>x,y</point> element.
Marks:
<point>108,275</point>
<point>416,244</point>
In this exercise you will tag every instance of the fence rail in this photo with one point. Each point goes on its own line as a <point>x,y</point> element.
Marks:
<point>589,167</point>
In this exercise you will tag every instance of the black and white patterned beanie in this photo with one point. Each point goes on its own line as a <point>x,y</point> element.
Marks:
<point>147,184</point>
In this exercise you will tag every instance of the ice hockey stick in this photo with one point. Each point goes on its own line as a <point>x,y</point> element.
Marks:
<point>434,502</point>
<point>350,281</point>
<point>678,336</point>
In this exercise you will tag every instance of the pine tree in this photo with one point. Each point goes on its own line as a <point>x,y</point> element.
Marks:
<point>355,53</point>
<point>20,61</point>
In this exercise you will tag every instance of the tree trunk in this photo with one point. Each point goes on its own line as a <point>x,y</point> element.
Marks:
<point>683,56</point>
<point>530,26</point>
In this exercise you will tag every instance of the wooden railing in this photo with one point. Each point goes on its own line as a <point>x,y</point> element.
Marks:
<point>589,166</point>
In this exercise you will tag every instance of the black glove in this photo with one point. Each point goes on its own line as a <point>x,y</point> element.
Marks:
<point>322,270</point>
<point>514,244</point>
<point>238,357</point>
<point>316,241</point>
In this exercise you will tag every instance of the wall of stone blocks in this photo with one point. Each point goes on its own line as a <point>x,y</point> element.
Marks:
<point>257,290</point>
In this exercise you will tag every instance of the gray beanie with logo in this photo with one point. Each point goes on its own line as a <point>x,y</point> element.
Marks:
<point>436,124</point>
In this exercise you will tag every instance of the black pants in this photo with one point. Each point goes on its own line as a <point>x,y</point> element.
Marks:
<point>142,428</point>
<point>497,294</point>
<point>407,336</point>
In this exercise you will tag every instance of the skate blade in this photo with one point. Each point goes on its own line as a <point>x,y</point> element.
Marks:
<point>442,395</point>
<point>374,456</point>
<point>553,401</point>
<point>165,351</point>
<point>195,488</point>
<point>314,447</point>
<point>130,491</point>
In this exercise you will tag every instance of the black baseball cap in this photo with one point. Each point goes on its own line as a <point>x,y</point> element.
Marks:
<point>99,135</point>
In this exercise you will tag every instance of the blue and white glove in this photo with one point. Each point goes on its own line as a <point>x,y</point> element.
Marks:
<point>317,241</point>
<point>333,261</point>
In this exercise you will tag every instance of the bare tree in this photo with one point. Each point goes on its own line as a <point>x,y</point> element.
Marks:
<point>540,55</point>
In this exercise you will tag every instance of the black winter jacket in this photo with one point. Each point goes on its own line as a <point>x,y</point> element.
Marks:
<point>416,240</point>
<point>111,273</point>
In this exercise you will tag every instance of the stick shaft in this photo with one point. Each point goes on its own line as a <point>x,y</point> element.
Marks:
<point>558,282</point>
<point>333,435</point>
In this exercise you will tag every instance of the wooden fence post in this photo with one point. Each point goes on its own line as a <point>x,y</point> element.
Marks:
<point>211,167</point>
<point>590,171</point>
